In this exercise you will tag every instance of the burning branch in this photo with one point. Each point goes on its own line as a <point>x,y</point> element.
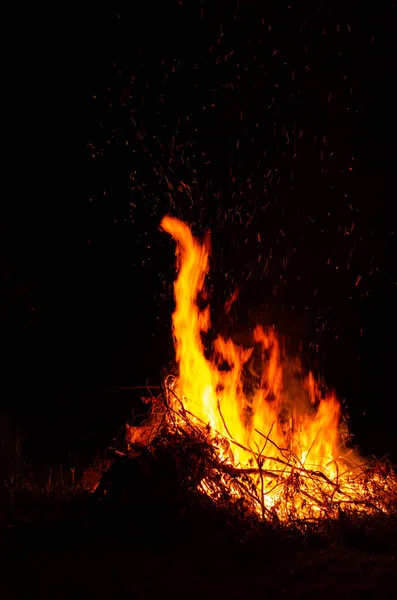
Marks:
<point>213,415</point>
<point>289,492</point>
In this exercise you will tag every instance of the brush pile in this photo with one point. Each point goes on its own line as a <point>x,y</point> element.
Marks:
<point>200,468</point>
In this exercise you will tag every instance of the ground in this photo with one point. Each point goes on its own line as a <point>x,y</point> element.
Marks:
<point>64,561</point>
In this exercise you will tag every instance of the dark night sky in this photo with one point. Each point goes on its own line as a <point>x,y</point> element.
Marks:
<point>279,120</point>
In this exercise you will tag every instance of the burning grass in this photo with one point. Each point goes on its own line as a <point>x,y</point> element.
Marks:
<point>242,431</point>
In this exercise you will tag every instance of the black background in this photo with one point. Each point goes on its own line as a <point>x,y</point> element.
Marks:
<point>86,273</point>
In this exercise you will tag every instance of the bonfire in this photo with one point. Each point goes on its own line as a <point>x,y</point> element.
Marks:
<point>257,434</point>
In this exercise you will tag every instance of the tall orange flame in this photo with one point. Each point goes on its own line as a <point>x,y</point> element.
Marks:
<point>254,397</point>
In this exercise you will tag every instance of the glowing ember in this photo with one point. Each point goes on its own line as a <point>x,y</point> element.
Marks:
<point>269,425</point>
